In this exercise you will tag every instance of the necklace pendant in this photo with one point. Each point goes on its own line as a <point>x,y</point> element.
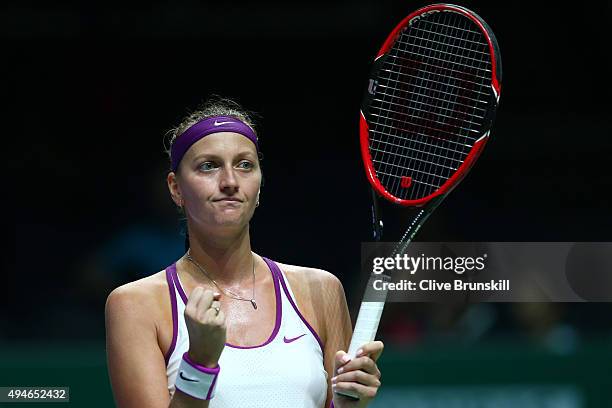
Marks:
<point>254,304</point>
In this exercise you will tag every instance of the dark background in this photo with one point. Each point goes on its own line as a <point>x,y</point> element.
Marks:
<point>91,89</point>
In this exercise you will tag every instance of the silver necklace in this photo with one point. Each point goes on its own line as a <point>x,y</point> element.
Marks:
<point>226,291</point>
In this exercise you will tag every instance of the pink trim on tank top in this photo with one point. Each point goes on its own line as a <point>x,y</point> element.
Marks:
<point>279,307</point>
<point>174,311</point>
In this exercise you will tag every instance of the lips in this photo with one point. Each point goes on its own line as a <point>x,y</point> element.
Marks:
<point>228,199</point>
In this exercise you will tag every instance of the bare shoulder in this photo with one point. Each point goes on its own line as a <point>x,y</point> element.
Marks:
<point>144,295</point>
<point>324,301</point>
<point>135,356</point>
<point>315,286</point>
<point>306,275</point>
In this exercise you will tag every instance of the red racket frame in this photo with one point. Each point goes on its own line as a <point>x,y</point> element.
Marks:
<point>478,145</point>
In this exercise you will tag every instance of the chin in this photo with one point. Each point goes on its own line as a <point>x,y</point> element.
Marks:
<point>230,220</point>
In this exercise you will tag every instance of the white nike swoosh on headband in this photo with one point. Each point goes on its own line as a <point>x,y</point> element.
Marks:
<point>221,123</point>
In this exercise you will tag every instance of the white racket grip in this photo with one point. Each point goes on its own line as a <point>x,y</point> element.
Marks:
<point>365,331</point>
<point>366,325</point>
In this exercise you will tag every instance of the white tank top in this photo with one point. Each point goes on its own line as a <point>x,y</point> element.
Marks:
<point>284,372</point>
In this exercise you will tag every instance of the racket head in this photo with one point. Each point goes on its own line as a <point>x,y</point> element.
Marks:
<point>429,104</point>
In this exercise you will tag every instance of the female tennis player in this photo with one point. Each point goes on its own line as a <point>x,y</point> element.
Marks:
<point>224,327</point>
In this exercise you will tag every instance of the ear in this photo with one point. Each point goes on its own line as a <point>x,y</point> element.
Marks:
<point>175,190</point>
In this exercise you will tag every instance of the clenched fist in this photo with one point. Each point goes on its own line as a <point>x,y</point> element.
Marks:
<point>206,326</point>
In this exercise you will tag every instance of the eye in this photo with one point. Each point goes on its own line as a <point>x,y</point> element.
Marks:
<point>245,164</point>
<point>207,166</point>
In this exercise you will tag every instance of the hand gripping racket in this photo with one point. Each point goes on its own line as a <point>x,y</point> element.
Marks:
<point>425,118</point>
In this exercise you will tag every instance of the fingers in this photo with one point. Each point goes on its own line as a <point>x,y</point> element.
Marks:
<point>192,301</point>
<point>206,327</point>
<point>205,300</point>
<point>358,376</point>
<point>363,363</point>
<point>361,390</point>
<point>373,348</point>
<point>340,360</point>
<point>215,309</point>
<point>202,303</point>
<point>215,306</point>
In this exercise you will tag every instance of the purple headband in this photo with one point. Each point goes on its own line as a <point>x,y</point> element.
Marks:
<point>205,127</point>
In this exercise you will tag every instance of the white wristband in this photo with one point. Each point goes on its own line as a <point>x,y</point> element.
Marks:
<point>196,380</point>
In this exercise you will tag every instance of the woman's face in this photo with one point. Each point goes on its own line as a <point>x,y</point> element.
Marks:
<point>218,182</point>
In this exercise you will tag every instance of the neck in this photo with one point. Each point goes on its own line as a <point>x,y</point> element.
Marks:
<point>227,259</point>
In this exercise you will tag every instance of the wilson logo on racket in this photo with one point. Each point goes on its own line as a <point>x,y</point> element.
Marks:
<point>406,182</point>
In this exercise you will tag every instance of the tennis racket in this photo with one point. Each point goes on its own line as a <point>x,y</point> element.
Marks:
<point>425,118</point>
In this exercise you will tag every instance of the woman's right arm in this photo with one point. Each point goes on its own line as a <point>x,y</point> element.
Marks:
<point>136,363</point>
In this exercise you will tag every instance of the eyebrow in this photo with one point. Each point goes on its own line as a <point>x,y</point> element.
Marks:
<point>217,157</point>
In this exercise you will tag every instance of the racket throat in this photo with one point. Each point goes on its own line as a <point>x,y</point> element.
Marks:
<point>377,223</point>
<point>417,223</point>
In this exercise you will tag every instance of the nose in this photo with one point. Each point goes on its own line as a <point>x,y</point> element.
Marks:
<point>228,183</point>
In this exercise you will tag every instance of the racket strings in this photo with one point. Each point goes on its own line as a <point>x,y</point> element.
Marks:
<point>431,121</point>
<point>478,118</point>
<point>434,47</point>
<point>430,103</point>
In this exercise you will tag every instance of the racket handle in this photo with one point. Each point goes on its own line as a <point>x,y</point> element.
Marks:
<point>366,326</point>
<point>365,331</point>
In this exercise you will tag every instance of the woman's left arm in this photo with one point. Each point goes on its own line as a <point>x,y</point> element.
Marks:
<point>360,375</point>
